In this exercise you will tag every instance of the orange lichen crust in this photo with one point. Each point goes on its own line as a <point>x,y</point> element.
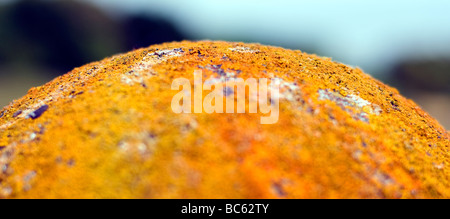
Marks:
<point>107,130</point>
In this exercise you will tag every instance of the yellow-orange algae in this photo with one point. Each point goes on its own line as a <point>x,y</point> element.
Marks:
<point>110,132</point>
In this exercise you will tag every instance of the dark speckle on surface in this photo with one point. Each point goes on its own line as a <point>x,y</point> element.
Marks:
<point>394,103</point>
<point>1,114</point>
<point>163,53</point>
<point>215,68</point>
<point>16,114</point>
<point>71,162</point>
<point>38,113</point>
<point>152,135</point>
<point>200,54</point>
<point>218,69</point>
<point>4,169</point>
<point>227,91</point>
<point>278,188</point>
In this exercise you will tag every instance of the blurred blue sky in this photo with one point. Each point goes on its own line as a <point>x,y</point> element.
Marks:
<point>371,34</point>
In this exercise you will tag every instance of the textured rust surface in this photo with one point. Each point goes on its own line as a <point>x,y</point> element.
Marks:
<point>107,130</point>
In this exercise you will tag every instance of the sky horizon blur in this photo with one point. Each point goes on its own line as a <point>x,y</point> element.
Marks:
<point>369,34</point>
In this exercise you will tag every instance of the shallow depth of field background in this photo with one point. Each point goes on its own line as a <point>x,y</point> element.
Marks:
<point>404,43</point>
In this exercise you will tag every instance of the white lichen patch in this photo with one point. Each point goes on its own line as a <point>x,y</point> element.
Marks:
<point>168,53</point>
<point>27,179</point>
<point>6,158</point>
<point>243,49</point>
<point>382,178</point>
<point>26,113</point>
<point>143,143</point>
<point>278,88</point>
<point>5,191</point>
<point>287,90</point>
<point>358,101</point>
<point>439,166</point>
<point>356,106</point>
<point>7,124</point>
<point>128,80</point>
<point>32,136</point>
<point>143,69</point>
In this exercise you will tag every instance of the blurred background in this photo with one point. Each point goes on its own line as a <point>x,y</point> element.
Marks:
<point>404,43</point>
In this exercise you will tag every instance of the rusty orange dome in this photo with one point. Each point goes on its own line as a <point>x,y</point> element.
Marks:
<point>107,130</point>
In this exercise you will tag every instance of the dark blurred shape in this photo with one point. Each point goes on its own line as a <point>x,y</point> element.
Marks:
<point>50,32</point>
<point>429,75</point>
<point>62,35</point>
<point>142,31</point>
<point>58,35</point>
<point>2,59</point>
